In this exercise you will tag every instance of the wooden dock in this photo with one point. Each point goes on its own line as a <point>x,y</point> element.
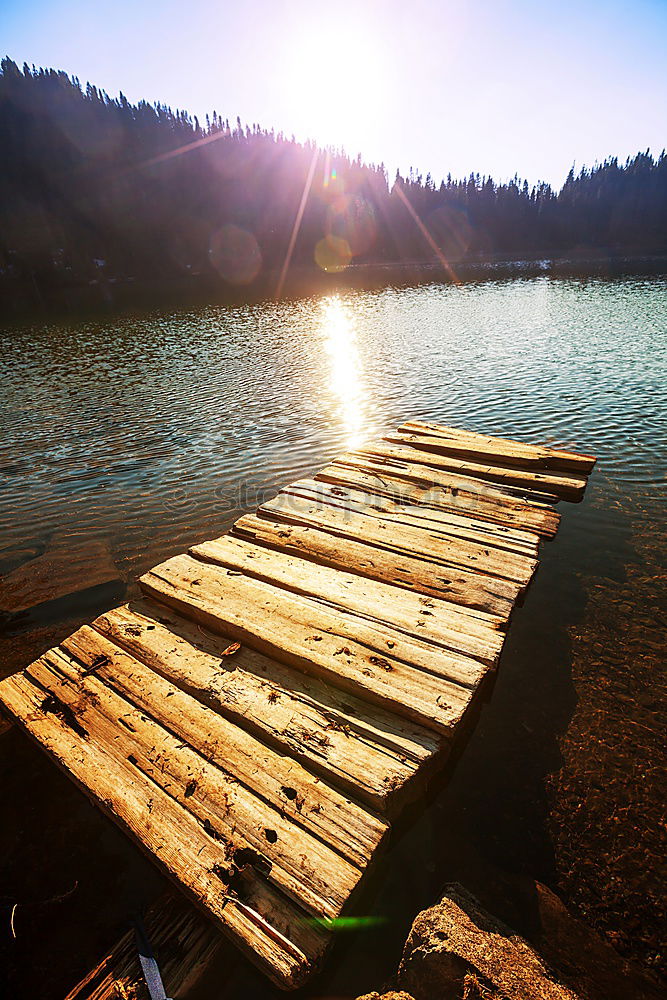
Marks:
<point>275,697</point>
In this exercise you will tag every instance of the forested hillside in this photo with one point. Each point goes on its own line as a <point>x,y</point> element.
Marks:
<point>95,189</point>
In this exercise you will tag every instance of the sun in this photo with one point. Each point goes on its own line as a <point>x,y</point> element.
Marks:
<point>333,82</point>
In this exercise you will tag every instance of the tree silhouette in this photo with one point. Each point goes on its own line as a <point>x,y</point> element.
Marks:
<point>94,189</point>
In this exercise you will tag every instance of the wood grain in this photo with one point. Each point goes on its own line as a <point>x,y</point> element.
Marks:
<point>412,484</point>
<point>356,746</point>
<point>432,687</point>
<point>183,941</point>
<point>473,592</point>
<point>462,442</point>
<point>382,604</point>
<point>263,923</point>
<point>398,534</point>
<point>415,447</point>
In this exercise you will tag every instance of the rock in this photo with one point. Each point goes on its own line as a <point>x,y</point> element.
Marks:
<point>386,996</point>
<point>457,950</point>
<point>583,958</point>
<point>68,567</point>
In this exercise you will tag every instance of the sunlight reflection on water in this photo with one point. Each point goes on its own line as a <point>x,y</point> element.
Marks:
<point>346,377</point>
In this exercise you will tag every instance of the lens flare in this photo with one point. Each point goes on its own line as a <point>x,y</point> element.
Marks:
<point>336,74</point>
<point>348,923</point>
<point>332,254</point>
<point>235,254</point>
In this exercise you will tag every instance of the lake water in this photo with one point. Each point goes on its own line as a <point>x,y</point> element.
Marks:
<point>125,441</point>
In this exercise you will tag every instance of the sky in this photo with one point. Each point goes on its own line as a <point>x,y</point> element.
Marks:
<point>495,86</point>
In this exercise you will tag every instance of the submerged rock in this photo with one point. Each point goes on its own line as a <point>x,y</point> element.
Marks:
<point>66,568</point>
<point>584,959</point>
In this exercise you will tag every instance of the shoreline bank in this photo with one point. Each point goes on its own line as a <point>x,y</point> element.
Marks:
<point>26,302</point>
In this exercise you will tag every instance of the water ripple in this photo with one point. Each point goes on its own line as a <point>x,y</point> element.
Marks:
<point>173,420</point>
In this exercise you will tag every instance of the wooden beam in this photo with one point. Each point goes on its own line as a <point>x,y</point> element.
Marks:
<point>460,525</point>
<point>263,922</point>
<point>413,448</point>
<point>402,486</point>
<point>382,604</point>
<point>428,686</point>
<point>473,592</point>
<point>287,856</point>
<point>284,784</point>
<point>183,941</point>
<point>395,534</point>
<point>482,446</point>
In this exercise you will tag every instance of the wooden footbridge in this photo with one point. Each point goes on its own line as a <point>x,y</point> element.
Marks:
<point>258,717</point>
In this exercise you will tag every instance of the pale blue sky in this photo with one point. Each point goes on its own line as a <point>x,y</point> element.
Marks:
<point>495,86</point>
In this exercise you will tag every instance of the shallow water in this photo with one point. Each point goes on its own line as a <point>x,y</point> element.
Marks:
<point>123,442</point>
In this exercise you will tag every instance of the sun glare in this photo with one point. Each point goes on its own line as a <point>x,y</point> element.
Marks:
<point>345,372</point>
<point>333,79</point>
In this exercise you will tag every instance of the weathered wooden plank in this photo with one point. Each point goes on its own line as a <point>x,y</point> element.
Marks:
<point>278,780</point>
<point>459,526</point>
<point>472,592</point>
<point>400,485</point>
<point>460,442</point>
<point>568,487</point>
<point>342,648</point>
<point>518,472</point>
<point>183,941</point>
<point>289,858</point>
<point>265,924</point>
<point>391,532</point>
<point>415,468</point>
<point>373,754</point>
<point>379,645</point>
<point>385,605</point>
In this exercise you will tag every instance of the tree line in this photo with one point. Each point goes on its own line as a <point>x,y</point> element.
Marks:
<point>96,190</point>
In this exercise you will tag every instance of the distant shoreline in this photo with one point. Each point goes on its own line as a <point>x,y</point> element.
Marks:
<point>23,302</point>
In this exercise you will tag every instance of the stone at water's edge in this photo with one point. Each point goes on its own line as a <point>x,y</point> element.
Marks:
<point>456,949</point>
<point>386,996</point>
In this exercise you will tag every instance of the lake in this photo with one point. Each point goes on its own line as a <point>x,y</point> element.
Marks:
<point>126,440</point>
